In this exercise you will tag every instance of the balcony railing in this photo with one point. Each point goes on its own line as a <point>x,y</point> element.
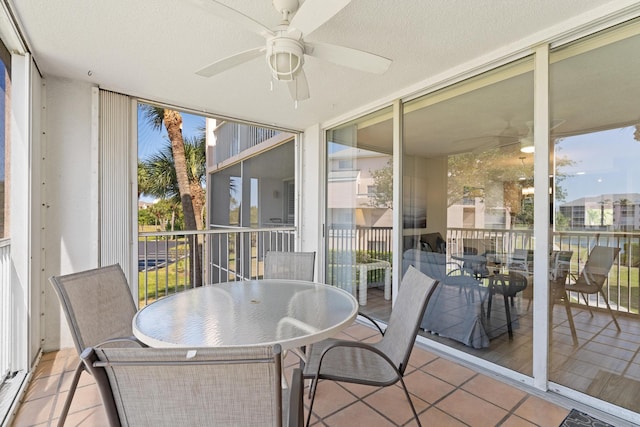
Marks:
<point>166,260</point>
<point>622,286</point>
<point>170,262</point>
<point>234,138</point>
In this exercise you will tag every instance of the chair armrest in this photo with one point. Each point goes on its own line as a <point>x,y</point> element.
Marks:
<point>356,344</point>
<point>296,408</point>
<point>130,339</point>
<point>376,324</point>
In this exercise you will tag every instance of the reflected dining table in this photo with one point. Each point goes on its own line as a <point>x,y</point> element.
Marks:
<point>291,313</point>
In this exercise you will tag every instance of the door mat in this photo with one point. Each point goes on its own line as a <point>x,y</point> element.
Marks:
<point>580,419</point>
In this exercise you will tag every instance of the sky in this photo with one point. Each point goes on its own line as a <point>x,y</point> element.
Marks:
<point>605,162</point>
<point>151,141</point>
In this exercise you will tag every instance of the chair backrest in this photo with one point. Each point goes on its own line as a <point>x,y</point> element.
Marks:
<point>479,246</point>
<point>289,265</point>
<point>596,269</point>
<point>522,260</point>
<point>97,304</point>
<point>559,264</point>
<point>433,242</point>
<point>221,386</point>
<point>432,264</point>
<point>414,294</point>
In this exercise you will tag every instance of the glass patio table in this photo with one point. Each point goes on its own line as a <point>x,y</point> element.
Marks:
<point>247,313</point>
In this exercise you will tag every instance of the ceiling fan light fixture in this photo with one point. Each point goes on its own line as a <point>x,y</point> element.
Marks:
<point>526,143</point>
<point>285,58</point>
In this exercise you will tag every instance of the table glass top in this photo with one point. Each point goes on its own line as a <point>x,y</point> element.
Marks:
<point>258,312</point>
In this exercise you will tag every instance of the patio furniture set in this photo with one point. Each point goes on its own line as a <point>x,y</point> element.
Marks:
<point>220,347</point>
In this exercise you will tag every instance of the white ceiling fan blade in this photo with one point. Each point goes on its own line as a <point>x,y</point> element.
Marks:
<point>314,13</point>
<point>230,62</point>
<point>352,58</point>
<point>232,15</point>
<point>299,88</point>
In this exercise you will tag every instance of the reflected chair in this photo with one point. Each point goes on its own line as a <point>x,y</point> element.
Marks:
<point>99,310</point>
<point>382,363</point>
<point>289,265</point>
<point>559,265</point>
<point>593,277</point>
<point>448,273</point>
<point>485,250</point>
<point>221,386</point>
<point>521,262</point>
<point>508,285</point>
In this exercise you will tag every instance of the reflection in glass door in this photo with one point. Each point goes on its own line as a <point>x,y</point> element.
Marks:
<point>359,211</point>
<point>595,338</point>
<point>468,212</point>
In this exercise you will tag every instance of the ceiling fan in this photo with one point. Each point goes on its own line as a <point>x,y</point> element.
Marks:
<point>285,48</point>
<point>509,137</point>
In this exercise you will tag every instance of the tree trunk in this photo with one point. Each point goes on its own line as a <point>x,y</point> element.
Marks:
<point>173,124</point>
<point>197,195</point>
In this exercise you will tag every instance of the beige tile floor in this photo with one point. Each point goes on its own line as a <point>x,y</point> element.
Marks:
<point>444,393</point>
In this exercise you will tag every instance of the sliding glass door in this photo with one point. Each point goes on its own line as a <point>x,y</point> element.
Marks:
<point>594,92</point>
<point>358,232</point>
<point>468,212</point>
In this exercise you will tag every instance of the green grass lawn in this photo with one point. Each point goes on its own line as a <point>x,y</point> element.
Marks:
<point>161,282</point>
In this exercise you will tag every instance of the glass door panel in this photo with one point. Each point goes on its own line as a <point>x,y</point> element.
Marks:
<point>594,97</point>
<point>468,212</point>
<point>359,210</point>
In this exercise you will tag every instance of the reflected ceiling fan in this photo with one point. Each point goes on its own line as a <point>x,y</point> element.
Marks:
<point>509,137</point>
<point>285,48</point>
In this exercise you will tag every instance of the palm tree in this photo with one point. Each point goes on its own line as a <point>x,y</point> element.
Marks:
<point>172,121</point>
<point>159,175</point>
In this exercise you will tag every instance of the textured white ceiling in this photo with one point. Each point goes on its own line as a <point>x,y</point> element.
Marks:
<point>151,48</point>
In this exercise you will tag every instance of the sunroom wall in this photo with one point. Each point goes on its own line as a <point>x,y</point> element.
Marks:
<point>71,230</point>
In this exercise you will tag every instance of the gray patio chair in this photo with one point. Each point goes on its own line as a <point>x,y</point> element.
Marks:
<point>593,276</point>
<point>289,265</point>
<point>382,363</point>
<point>221,386</point>
<point>559,265</point>
<point>99,309</point>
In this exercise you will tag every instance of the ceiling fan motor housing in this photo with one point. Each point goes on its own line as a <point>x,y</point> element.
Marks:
<point>288,6</point>
<point>285,57</point>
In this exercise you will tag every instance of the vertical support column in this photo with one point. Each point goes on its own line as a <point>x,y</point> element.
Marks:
<point>397,196</point>
<point>541,231</point>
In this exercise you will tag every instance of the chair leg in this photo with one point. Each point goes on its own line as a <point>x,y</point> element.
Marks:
<point>507,311</point>
<point>312,387</point>
<point>312,396</point>
<point>610,311</point>
<point>72,390</point>
<point>586,303</point>
<point>413,409</point>
<point>567,308</point>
